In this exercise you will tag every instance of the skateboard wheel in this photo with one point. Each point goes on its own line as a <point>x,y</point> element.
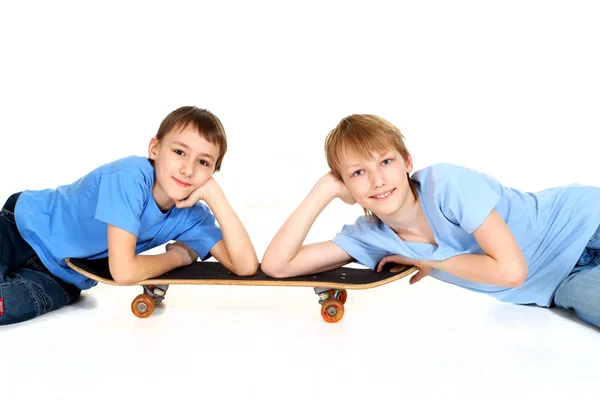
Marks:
<point>343,296</point>
<point>142,306</point>
<point>332,310</point>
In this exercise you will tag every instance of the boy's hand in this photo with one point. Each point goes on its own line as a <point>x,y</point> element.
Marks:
<point>337,187</point>
<point>199,194</point>
<point>185,254</point>
<point>424,270</point>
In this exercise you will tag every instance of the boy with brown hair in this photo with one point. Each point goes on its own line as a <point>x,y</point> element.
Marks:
<point>120,210</point>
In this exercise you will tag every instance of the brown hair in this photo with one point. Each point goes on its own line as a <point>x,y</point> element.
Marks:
<point>204,121</point>
<point>362,134</point>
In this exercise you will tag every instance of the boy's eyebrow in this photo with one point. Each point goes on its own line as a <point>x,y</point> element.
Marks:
<point>354,165</point>
<point>181,144</point>
<point>185,146</point>
<point>207,155</point>
<point>358,164</point>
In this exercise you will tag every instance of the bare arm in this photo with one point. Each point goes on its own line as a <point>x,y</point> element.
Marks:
<point>235,251</point>
<point>127,268</point>
<point>503,264</point>
<point>286,256</point>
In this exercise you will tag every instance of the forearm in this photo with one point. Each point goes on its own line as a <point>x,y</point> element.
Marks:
<point>235,237</point>
<point>142,267</point>
<point>481,268</point>
<point>287,242</point>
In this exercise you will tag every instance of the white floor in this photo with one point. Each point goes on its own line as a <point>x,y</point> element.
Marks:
<point>427,341</point>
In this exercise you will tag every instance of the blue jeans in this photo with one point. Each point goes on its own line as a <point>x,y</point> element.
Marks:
<point>580,291</point>
<point>27,288</point>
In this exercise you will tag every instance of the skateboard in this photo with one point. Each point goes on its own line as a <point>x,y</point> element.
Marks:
<point>329,286</point>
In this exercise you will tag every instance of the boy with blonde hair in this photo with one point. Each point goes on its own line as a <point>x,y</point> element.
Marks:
<point>458,225</point>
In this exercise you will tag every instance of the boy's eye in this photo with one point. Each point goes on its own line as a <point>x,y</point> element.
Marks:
<point>386,162</point>
<point>203,162</point>
<point>179,152</point>
<point>357,173</point>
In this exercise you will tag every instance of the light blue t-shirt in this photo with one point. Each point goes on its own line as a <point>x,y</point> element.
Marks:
<point>552,228</point>
<point>72,220</point>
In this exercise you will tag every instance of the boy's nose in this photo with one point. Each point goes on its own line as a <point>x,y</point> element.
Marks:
<point>187,169</point>
<point>378,179</point>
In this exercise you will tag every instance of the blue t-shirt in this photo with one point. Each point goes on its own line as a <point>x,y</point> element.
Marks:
<point>72,220</point>
<point>552,228</point>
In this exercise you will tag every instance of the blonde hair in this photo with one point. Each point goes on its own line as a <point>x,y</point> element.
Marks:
<point>362,134</point>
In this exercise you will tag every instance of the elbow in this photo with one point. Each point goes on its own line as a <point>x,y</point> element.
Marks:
<point>124,279</point>
<point>517,275</point>
<point>248,268</point>
<point>516,281</point>
<point>273,270</point>
<point>122,275</point>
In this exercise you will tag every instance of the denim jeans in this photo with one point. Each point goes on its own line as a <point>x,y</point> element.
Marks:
<point>27,288</point>
<point>580,291</point>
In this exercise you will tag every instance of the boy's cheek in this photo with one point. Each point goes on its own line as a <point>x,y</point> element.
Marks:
<point>355,193</point>
<point>204,178</point>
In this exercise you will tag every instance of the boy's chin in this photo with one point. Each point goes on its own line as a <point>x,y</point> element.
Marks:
<point>178,196</point>
<point>383,211</point>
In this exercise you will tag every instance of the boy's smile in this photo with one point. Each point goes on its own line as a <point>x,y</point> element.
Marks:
<point>384,195</point>
<point>180,183</point>
<point>183,161</point>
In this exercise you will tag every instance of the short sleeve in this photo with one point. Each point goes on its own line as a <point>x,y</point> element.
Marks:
<point>354,240</point>
<point>121,198</point>
<point>203,233</point>
<point>466,198</point>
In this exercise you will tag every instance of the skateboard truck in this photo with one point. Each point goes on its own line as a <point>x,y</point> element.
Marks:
<point>156,291</point>
<point>332,303</point>
<point>143,305</point>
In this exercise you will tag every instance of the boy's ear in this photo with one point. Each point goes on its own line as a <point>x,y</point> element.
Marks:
<point>153,148</point>
<point>409,163</point>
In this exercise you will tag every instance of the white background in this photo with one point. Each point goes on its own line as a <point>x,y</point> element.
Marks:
<point>510,88</point>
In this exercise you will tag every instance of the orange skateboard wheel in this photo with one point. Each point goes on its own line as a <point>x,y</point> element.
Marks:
<point>142,306</point>
<point>332,310</point>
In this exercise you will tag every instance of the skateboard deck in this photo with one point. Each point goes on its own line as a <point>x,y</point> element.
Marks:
<point>330,286</point>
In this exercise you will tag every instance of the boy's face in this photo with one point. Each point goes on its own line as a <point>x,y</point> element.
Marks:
<point>379,183</point>
<point>183,161</point>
